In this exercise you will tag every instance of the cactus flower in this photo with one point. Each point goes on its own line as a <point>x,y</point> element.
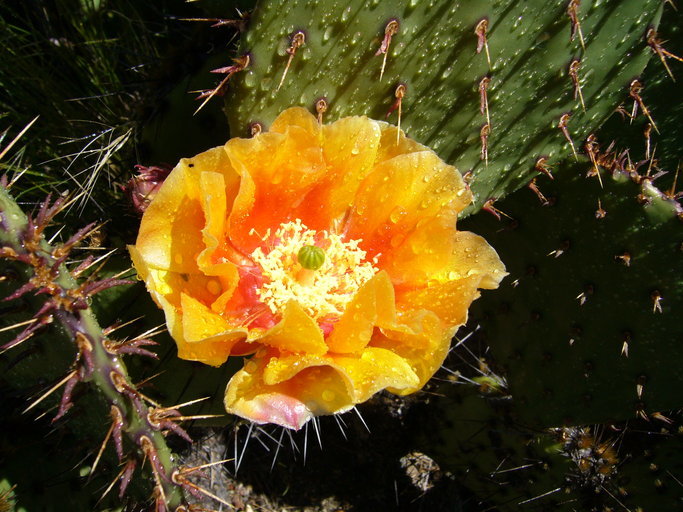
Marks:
<point>327,254</point>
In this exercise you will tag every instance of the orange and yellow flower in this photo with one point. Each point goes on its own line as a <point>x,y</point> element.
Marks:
<point>328,253</point>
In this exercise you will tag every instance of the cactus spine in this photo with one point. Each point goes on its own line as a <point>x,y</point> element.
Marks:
<point>98,358</point>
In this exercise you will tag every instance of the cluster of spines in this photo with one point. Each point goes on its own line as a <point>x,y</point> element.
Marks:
<point>98,361</point>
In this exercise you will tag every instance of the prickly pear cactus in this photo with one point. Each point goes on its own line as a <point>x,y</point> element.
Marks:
<point>587,326</point>
<point>477,437</point>
<point>586,329</point>
<point>499,89</point>
<point>64,295</point>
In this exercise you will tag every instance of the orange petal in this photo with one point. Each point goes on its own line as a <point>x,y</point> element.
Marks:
<point>296,332</point>
<point>401,192</point>
<point>297,170</point>
<point>353,330</point>
<point>170,232</point>
<point>436,251</point>
<point>350,147</point>
<point>277,171</point>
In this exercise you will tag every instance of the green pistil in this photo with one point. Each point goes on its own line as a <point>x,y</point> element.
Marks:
<point>311,257</point>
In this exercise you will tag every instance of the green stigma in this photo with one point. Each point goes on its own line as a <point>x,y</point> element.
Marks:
<point>311,257</point>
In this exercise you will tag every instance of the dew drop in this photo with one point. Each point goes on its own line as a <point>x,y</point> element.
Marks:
<point>397,214</point>
<point>249,80</point>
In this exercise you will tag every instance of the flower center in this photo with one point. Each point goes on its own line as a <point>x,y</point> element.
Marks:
<point>317,269</point>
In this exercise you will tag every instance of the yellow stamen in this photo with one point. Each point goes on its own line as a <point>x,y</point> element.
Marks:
<point>322,292</point>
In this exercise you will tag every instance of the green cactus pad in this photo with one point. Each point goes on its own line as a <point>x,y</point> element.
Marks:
<point>587,325</point>
<point>433,52</point>
<point>512,468</point>
<point>475,438</point>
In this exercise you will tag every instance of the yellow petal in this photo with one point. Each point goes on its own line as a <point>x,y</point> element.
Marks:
<point>350,149</point>
<point>213,353</point>
<point>205,333</point>
<point>213,260</point>
<point>353,330</point>
<point>214,206</point>
<point>421,339</point>
<point>289,390</point>
<point>471,255</point>
<point>376,369</point>
<point>296,116</point>
<point>170,285</point>
<point>388,148</point>
<point>296,332</point>
<point>436,251</point>
<point>170,232</point>
<point>450,300</point>
<point>365,374</point>
<point>314,391</point>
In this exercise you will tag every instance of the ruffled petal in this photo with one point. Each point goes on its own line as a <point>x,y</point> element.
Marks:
<point>317,185</point>
<point>399,194</point>
<point>289,390</point>
<point>436,251</point>
<point>353,330</point>
<point>277,170</point>
<point>170,235</point>
<point>349,147</point>
<point>211,352</point>
<point>389,148</point>
<point>365,374</point>
<point>314,391</point>
<point>420,338</point>
<point>205,334</point>
<point>170,285</point>
<point>173,291</point>
<point>450,300</point>
<point>296,332</point>
<point>296,116</point>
